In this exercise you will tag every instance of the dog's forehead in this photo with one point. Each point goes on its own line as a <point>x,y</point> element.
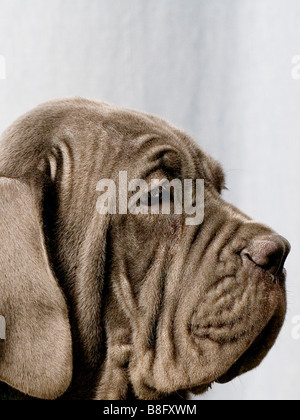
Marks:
<point>142,129</point>
<point>127,123</point>
<point>132,122</point>
<point>129,135</point>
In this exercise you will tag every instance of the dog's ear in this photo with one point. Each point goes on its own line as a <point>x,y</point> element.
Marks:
<point>36,356</point>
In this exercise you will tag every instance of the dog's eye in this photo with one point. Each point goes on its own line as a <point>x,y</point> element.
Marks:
<point>156,196</point>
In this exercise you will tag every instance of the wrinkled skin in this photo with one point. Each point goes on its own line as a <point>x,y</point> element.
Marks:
<point>156,307</point>
<point>199,305</point>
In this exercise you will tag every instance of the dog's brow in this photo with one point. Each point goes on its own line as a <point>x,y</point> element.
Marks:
<point>148,142</point>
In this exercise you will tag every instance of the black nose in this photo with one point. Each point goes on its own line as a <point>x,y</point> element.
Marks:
<point>268,252</point>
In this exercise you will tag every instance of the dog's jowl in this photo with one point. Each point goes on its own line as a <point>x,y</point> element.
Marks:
<point>132,304</point>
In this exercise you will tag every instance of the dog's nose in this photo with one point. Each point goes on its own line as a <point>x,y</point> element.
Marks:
<point>268,252</point>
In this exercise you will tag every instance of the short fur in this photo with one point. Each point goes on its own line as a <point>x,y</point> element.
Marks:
<point>117,307</point>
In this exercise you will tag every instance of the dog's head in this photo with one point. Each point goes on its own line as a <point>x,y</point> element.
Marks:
<point>157,303</point>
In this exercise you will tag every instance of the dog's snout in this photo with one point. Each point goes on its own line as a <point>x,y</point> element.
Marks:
<point>268,252</point>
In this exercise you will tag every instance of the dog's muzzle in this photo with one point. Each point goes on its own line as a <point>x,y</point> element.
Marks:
<point>242,312</point>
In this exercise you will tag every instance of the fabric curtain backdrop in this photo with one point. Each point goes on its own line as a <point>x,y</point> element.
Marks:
<point>226,71</point>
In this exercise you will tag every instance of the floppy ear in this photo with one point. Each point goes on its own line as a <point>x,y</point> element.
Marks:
<point>36,356</point>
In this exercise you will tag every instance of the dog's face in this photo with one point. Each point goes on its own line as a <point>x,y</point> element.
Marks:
<point>158,303</point>
<point>216,302</point>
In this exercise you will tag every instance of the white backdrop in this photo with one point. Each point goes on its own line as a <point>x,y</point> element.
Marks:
<point>220,69</point>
